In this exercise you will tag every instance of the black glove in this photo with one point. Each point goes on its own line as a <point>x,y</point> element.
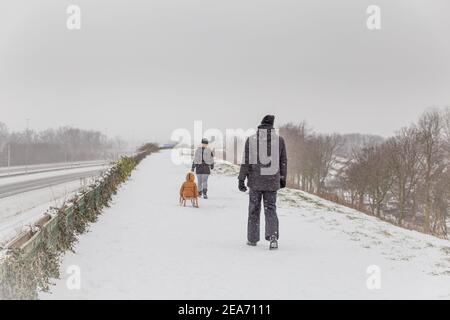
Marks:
<point>242,186</point>
<point>282,183</point>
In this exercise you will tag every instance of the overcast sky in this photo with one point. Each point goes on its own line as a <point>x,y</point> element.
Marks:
<point>144,68</point>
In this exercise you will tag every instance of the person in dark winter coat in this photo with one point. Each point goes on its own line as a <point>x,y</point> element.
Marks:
<point>202,165</point>
<point>265,167</point>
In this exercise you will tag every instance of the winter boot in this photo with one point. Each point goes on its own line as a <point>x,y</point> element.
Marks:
<point>200,193</point>
<point>252,244</point>
<point>205,196</point>
<point>273,243</point>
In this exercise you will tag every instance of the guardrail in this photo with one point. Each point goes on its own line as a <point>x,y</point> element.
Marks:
<point>32,258</point>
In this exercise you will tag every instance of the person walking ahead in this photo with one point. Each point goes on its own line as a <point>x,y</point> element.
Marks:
<point>265,167</point>
<point>202,165</point>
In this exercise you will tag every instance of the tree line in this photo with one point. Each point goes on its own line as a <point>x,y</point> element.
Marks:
<point>64,144</point>
<point>403,179</point>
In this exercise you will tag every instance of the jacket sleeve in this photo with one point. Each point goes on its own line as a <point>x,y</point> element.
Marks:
<point>212,160</point>
<point>283,160</point>
<point>245,166</point>
<point>195,190</point>
<point>181,190</point>
<point>194,160</point>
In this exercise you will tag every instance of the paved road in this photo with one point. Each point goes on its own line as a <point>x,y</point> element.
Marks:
<point>40,168</point>
<point>7,190</point>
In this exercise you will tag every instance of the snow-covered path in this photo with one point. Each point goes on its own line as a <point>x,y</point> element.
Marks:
<point>145,246</point>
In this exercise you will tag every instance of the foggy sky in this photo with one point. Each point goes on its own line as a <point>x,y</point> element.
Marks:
<point>141,69</point>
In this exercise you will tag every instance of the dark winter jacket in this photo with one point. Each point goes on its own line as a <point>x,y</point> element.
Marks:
<point>203,161</point>
<point>263,174</point>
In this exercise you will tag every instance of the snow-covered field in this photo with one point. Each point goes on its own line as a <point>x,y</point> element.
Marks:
<point>25,208</point>
<point>146,246</point>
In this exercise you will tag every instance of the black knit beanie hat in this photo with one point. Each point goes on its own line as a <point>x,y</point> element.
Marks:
<point>268,120</point>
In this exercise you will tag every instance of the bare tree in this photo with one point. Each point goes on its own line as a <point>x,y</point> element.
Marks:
<point>3,135</point>
<point>355,178</point>
<point>430,127</point>
<point>295,137</point>
<point>404,158</point>
<point>379,176</point>
<point>323,152</point>
<point>446,129</point>
<point>405,178</point>
<point>63,144</point>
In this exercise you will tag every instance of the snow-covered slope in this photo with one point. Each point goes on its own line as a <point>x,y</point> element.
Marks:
<point>147,246</point>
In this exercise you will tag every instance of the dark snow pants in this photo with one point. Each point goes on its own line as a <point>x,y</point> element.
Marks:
<point>254,211</point>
